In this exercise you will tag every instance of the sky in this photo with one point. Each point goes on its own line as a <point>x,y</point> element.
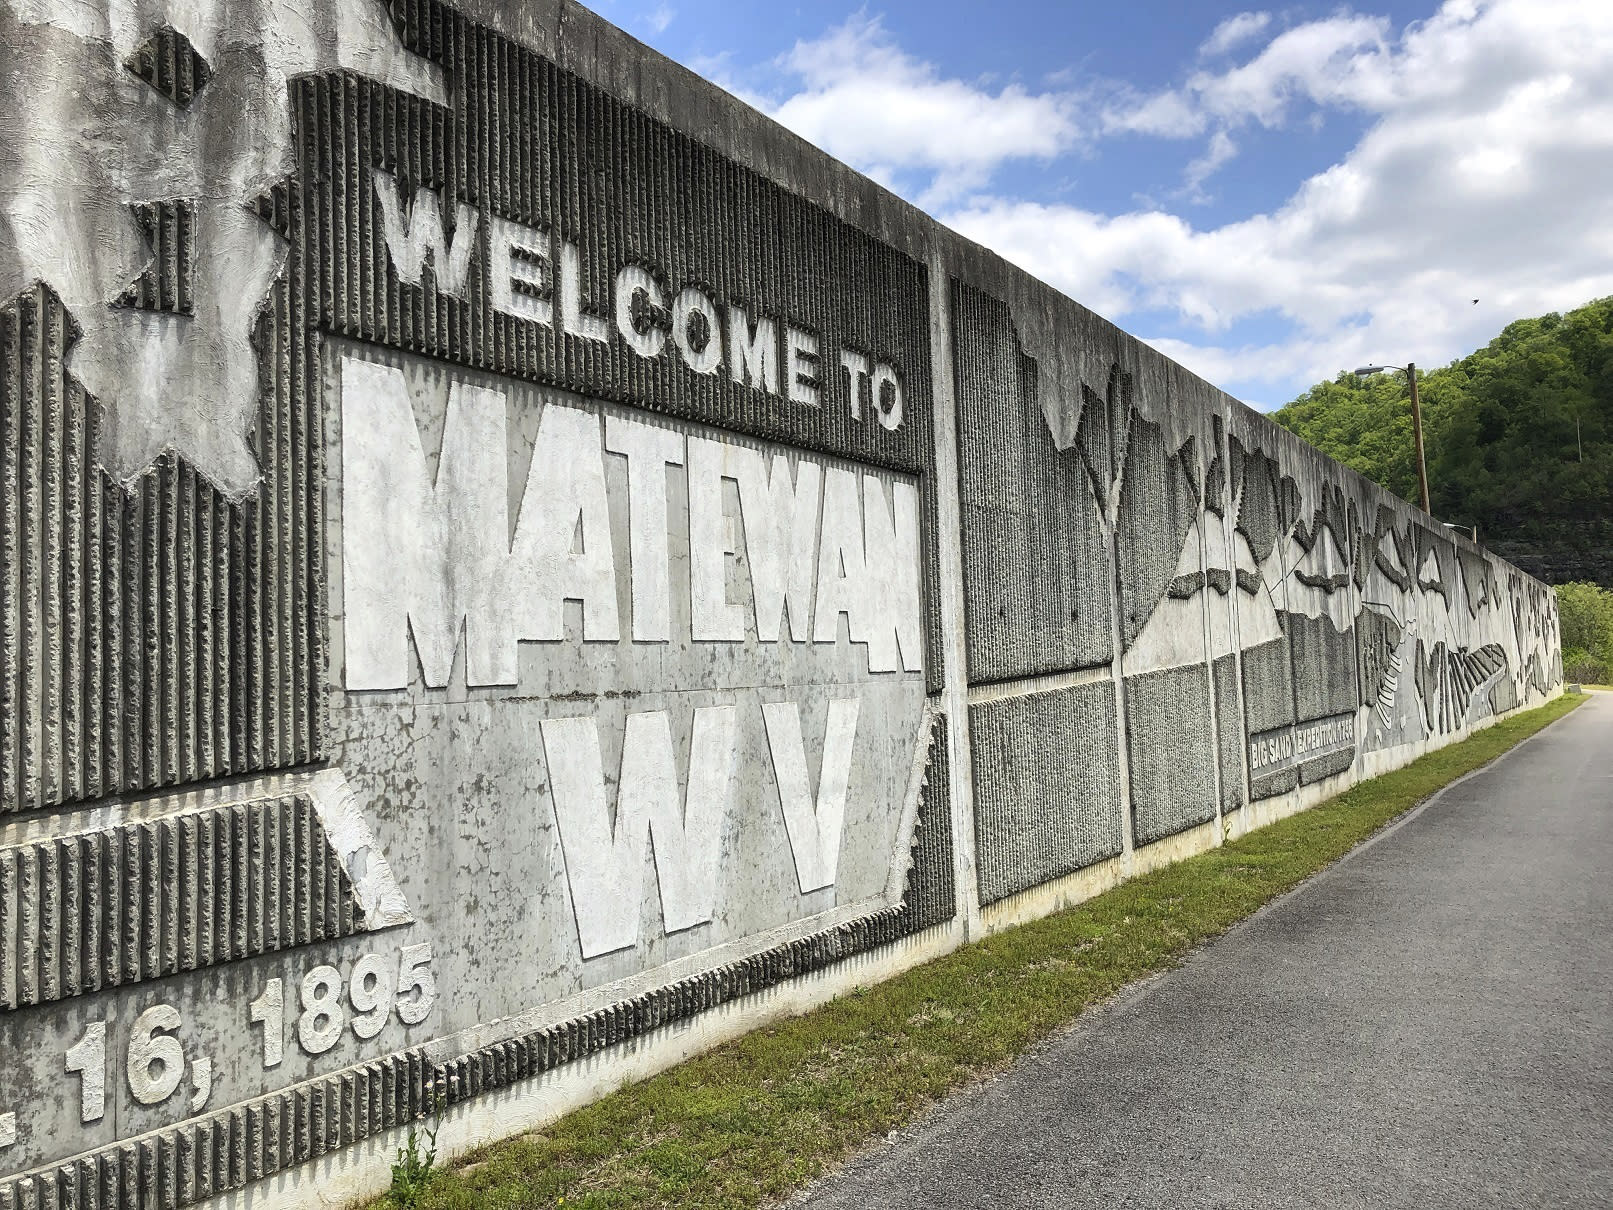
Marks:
<point>1268,195</point>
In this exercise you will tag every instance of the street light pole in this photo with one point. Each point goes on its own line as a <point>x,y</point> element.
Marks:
<point>1417,429</point>
<point>1410,371</point>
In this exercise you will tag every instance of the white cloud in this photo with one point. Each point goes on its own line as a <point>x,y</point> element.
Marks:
<point>868,102</point>
<point>1168,115</point>
<point>660,17</point>
<point>1221,149</point>
<point>1482,174</point>
<point>1341,60</point>
<point>1234,32</point>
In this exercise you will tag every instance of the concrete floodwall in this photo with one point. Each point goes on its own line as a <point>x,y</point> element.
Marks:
<point>517,569</point>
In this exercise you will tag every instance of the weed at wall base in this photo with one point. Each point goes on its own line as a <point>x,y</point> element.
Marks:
<point>414,1169</point>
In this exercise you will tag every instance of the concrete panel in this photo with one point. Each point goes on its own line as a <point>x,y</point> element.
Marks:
<point>161,633</point>
<point>1035,561</point>
<point>1325,673</point>
<point>1229,732</point>
<point>1047,786</point>
<point>1156,534</point>
<point>1171,745</point>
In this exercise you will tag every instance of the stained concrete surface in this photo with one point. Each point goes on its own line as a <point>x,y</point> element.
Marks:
<point>184,637</point>
<point>1428,1023</point>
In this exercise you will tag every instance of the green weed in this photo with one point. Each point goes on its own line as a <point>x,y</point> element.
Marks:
<point>414,1169</point>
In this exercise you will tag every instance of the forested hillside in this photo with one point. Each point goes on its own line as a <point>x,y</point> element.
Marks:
<point>1519,438</point>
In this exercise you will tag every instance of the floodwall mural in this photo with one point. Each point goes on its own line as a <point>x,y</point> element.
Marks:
<point>473,575</point>
<point>1253,618</point>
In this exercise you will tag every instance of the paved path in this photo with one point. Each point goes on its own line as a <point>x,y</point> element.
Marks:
<point>1428,1023</point>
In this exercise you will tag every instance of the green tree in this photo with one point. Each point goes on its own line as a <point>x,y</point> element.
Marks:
<point>1519,439</point>
<point>1585,614</point>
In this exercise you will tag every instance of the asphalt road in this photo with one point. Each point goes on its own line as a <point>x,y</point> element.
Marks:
<point>1428,1023</point>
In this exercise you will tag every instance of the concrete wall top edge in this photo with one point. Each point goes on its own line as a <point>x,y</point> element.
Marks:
<point>592,48</point>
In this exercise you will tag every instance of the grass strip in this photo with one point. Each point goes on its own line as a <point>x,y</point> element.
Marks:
<point>756,1118</point>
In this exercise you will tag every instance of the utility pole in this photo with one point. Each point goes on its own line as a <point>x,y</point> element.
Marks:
<point>1417,429</point>
<point>1410,371</point>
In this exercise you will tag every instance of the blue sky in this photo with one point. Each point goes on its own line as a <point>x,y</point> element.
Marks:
<point>1268,195</point>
